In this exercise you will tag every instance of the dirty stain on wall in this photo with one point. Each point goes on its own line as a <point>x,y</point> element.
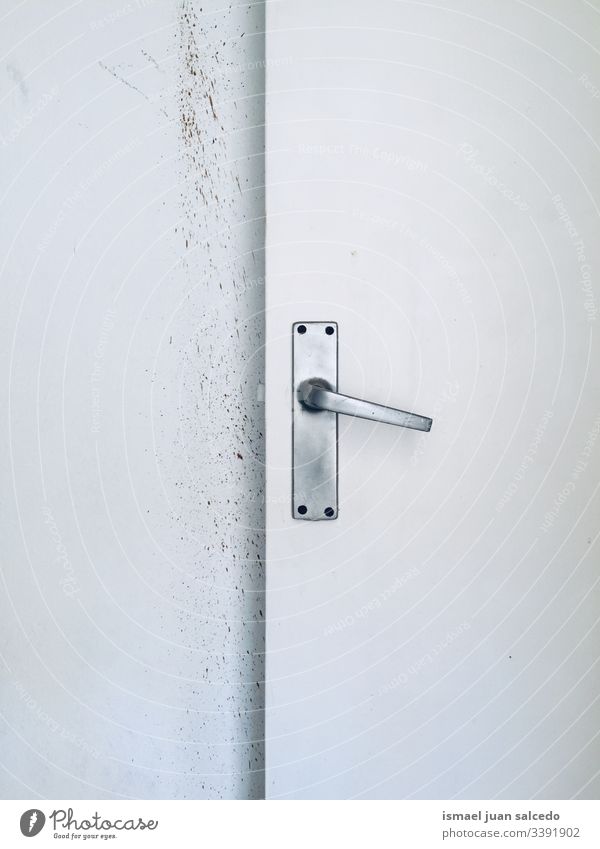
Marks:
<point>222,390</point>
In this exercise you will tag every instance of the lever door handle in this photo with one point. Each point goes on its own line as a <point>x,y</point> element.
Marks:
<point>316,394</point>
<point>316,404</point>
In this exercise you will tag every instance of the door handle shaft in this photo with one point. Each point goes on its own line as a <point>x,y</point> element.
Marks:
<point>316,394</point>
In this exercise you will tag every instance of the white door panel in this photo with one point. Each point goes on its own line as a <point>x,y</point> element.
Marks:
<point>131,244</point>
<point>432,187</point>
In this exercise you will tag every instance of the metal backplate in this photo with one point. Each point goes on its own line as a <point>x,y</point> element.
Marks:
<point>314,478</point>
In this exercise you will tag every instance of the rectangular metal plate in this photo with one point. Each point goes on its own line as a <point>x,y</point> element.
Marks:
<point>314,432</point>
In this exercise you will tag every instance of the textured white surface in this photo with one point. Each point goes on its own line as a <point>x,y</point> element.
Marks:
<point>131,214</point>
<point>440,638</point>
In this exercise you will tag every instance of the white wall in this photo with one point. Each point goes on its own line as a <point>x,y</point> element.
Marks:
<point>433,187</point>
<point>131,252</point>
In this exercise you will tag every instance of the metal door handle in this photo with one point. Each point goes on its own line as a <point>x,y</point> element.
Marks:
<point>316,405</point>
<point>317,394</point>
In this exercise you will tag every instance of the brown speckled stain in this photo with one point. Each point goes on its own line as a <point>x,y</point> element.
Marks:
<point>221,493</point>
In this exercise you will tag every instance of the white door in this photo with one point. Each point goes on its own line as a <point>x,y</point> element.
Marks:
<point>433,190</point>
